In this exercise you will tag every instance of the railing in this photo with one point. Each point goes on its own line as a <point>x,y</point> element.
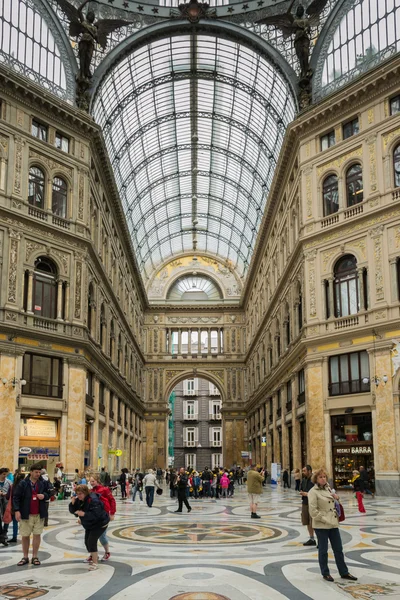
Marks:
<point>31,388</point>
<point>89,400</point>
<point>301,398</point>
<point>216,443</point>
<point>358,209</point>
<point>38,213</point>
<point>346,322</point>
<point>190,417</point>
<point>190,443</point>
<point>190,392</point>
<point>60,222</point>
<point>102,408</point>
<point>396,194</point>
<point>331,220</point>
<point>43,323</point>
<point>215,416</point>
<point>342,388</point>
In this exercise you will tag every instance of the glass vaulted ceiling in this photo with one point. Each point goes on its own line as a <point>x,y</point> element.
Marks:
<point>194,125</point>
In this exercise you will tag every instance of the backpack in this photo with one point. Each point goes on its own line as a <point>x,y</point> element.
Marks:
<point>197,481</point>
<point>104,500</point>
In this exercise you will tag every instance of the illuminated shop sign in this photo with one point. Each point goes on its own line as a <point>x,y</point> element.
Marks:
<point>355,450</point>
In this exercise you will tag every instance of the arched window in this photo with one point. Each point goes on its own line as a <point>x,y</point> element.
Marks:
<point>396,166</point>
<point>346,287</point>
<point>119,352</point>
<point>330,195</point>
<point>36,188</point>
<point>354,185</point>
<point>102,326</point>
<point>126,362</point>
<point>59,197</point>
<point>45,288</point>
<point>90,309</point>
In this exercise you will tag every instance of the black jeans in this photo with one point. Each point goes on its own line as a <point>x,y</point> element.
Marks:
<point>206,488</point>
<point>332,535</point>
<point>297,485</point>
<point>123,490</point>
<point>92,537</point>
<point>149,495</point>
<point>182,500</point>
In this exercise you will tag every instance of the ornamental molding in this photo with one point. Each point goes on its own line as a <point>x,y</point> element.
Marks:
<point>52,164</point>
<point>336,163</point>
<point>193,320</point>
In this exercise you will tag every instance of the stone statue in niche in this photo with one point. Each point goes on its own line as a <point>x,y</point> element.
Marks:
<point>299,24</point>
<point>90,33</point>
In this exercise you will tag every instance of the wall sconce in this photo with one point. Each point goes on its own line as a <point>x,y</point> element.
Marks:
<point>377,380</point>
<point>14,381</point>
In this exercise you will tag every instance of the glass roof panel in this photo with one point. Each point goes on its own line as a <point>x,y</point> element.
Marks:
<point>193,125</point>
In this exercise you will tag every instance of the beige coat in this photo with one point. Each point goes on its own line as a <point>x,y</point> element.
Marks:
<point>254,482</point>
<point>322,509</point>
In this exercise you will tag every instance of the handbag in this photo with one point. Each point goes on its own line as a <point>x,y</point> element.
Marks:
<point>159,491</point>
<point>7,517</point>
<point>341,515</point>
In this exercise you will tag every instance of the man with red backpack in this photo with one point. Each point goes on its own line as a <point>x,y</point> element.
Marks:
<point>110,507</point>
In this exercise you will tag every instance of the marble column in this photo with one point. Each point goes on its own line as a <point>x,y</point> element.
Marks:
<point>29,303</point>
<point>331,298</point>
<point>387,477</point>
<point>316,448</point>
<point>94,456</point>
<point>8,397</point>
<point>59,299</point>
<point>219,341</point>
<point>180,342</point>
<point>209,341</point>
<point>189,342</point>
<point>76,417</point>
<point>67,293</point>
<point>361,288</point>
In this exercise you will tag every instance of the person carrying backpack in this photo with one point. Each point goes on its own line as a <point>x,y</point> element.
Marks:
<point>110,507</point>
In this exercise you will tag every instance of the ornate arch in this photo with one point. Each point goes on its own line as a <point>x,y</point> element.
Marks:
<point>172,380</point>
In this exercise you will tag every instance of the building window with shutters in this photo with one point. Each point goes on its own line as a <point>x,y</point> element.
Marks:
<point>190,461</point>
<point>191,436</point>
<point>190,387</point>
<point>215,410</point>
<point>216,436</point>
<point>216,461</point>
<point>190,410</point>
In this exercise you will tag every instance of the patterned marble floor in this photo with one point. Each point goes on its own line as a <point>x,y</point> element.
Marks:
<point>214,553</point>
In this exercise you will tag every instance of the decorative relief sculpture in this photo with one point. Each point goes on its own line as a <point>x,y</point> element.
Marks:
<point>395,352</point>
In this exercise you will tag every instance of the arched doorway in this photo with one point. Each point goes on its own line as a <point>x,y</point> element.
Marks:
<point>195,437</point>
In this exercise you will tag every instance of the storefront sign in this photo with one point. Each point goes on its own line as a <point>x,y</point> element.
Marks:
<point>244,454</point>
<point>116,452</point>
<point>25,450</point>
<point>40,428</point>
<point>39,450</point>
<point>37,457</point>
<point>355,450</point>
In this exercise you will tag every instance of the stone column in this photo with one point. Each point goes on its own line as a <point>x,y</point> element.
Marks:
<point>295,426</point>
<point>8,399</point>
<point>180,342</point>
<point>316,448</point>
<point>285,437</point>
<point>189,351</point>
<point>362,291</point>
<point>94,457</point>
<point>219,341</point>
<point>393,280</point>
<point>209,341</point>
<point>67,293</point>
<point>331,298</point>
<point>76,416</point>
<point>59,299</point>
<point>199,340</point>
<point>29,303</point>
<point>387,477</point>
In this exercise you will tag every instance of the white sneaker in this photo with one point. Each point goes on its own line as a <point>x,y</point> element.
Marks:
<point>89,559</point>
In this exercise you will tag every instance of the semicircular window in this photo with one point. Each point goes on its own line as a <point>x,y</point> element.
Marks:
<point>28,46</point>
<point>194,288</point>
<point>368,32</point>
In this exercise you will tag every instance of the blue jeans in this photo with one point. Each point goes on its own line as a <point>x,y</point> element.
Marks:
<point>103,539</point>
<point>149,495</point>
<point>332,535</point>
<point>136,490</point>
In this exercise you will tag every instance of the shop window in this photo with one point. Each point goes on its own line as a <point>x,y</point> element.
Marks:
<point>396,166</point>
<point>351,128</point>
<point>395,105</point>
<point>352,447</point>
<point>354,185</point>
<point>330,195</point>
<point>59,197</point>
<point>301,398</point>
<point>62,142</point>
<point>328,140</point>
<point>346,287</point>
<point>43,375</point>
<point>36,196</point>
<point>349,373</point>
<point>44,288</point>
<point>39,130</point>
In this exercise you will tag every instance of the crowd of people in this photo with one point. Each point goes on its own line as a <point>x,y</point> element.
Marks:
<point>25,498</point>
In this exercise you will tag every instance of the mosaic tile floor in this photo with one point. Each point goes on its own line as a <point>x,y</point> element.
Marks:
<point>214,553</point>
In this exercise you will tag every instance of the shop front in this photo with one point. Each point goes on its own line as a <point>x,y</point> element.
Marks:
<point>352,447</point>
<point>39,442</point>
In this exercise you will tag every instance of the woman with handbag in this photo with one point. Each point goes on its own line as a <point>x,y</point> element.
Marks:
<point>323,506</point>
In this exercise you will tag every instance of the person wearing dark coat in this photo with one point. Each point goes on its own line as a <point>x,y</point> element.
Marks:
<point>358,485</point>
<point>93,517</point>
<point>31,509</point>
<point>285,479</point>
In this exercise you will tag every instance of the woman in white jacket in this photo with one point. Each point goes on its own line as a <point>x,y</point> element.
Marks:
<point>149,483</point>
<point>325,521</point>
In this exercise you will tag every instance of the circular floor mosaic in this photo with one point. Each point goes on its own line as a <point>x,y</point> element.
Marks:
<point>198,533</point>
<point>199,596</point>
